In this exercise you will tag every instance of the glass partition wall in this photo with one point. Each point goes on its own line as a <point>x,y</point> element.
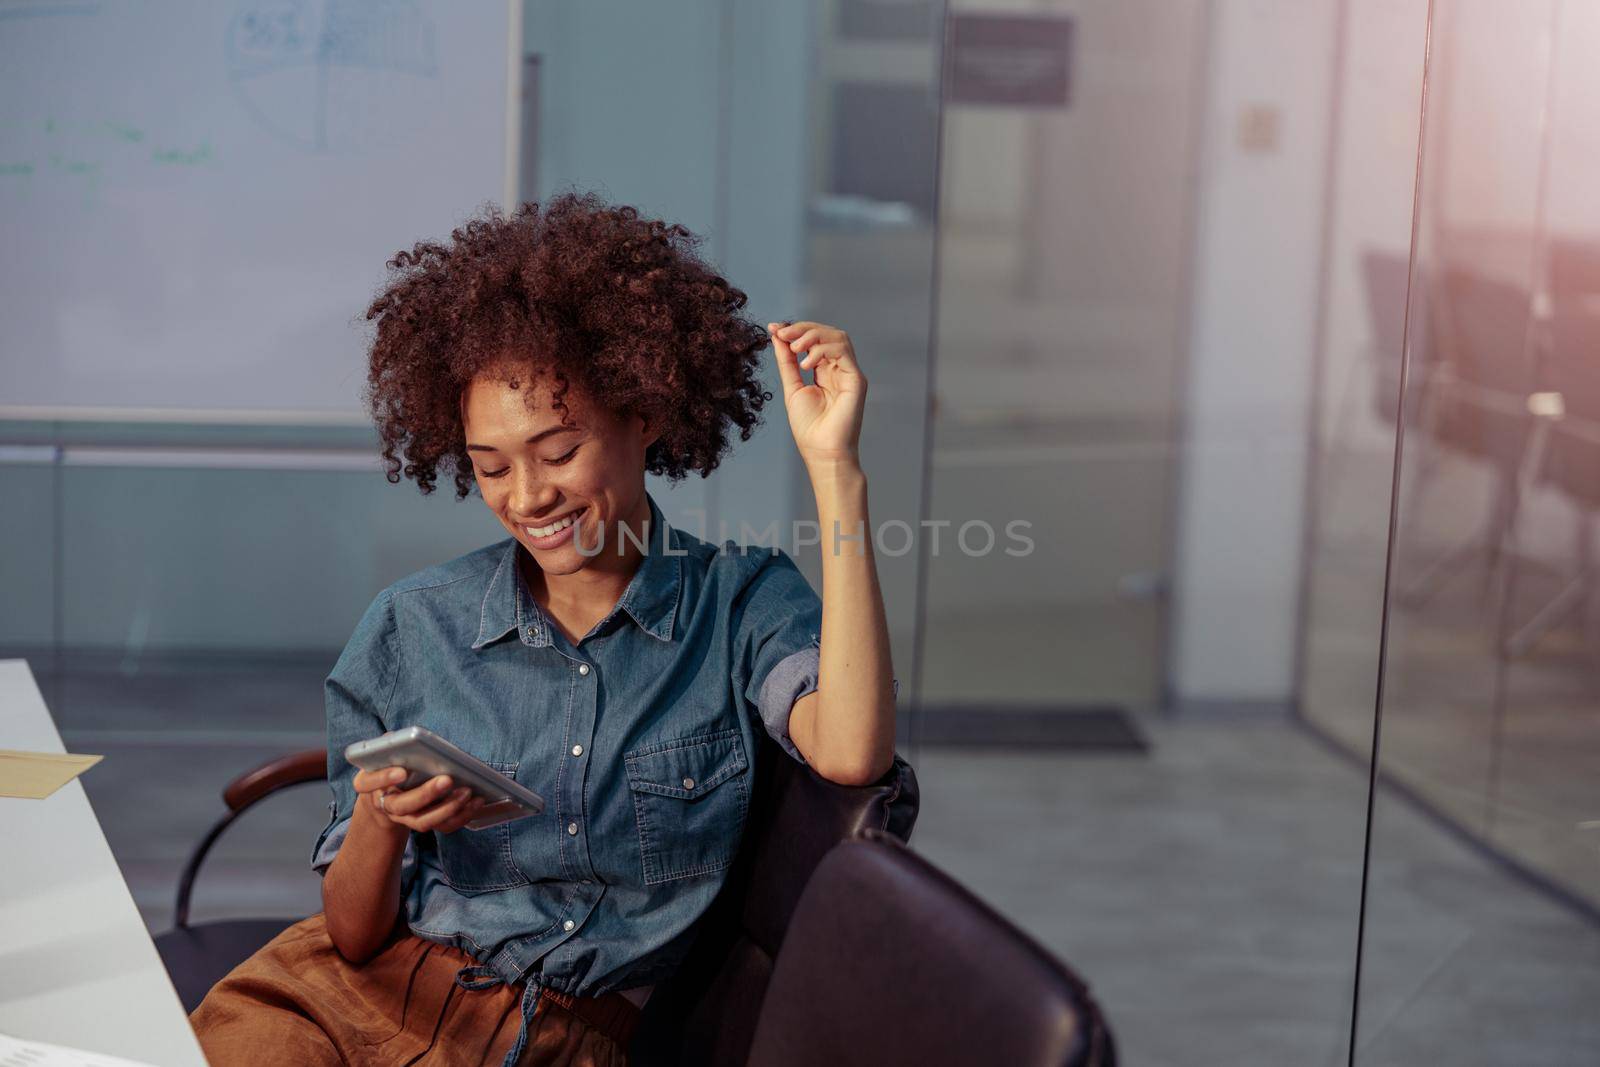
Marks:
<point>1481,945</point>
<point>1150,296</point>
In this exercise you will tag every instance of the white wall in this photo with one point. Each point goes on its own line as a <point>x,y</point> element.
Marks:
<point>1256,272</point>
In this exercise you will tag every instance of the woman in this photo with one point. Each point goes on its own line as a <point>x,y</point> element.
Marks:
<point>615,666</point>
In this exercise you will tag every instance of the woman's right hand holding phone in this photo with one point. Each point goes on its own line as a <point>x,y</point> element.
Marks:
<point>431,806</point>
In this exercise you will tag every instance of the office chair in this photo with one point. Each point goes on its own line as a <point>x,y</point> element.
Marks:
<point>891,963</point>
<point>1476,405</point>
<point>705,1014</point>
<point>1567,458</point>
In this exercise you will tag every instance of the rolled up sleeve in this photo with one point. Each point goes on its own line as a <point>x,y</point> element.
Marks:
<point>779,630</point>
<point>778,627</point>
<point>356,694</point>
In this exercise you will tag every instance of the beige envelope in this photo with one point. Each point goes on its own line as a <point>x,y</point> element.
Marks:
<point>35,775</point>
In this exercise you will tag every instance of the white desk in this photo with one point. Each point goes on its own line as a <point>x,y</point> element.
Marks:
<point>77,966</point>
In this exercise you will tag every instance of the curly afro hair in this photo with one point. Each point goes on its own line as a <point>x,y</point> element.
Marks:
<point>584,293</point>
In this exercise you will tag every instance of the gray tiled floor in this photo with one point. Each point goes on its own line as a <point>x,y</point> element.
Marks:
<point>1210,895</point>
<point>1207,890</point>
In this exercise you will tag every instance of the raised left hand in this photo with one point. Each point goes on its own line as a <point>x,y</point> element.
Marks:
<point>825,417</point>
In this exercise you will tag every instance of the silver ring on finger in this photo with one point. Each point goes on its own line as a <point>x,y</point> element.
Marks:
<point>381,796</point>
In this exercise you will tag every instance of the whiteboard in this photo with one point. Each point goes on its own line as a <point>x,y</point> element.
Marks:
<point>198,197</point>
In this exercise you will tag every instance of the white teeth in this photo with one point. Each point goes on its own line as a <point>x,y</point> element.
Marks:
<point>554,527</point>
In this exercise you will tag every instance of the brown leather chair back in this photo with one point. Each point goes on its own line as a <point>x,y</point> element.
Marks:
<point>706,1014</point>
<point>890,962</point>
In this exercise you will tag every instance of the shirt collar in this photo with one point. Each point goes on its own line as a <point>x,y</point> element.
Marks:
<point>651,598</point>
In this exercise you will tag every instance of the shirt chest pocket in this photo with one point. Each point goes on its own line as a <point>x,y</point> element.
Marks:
<point>690,796</point>
<point>480,860</point>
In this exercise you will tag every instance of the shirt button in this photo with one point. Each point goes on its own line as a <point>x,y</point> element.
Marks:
<point>577,750</point>
<point>572,828</point>
<point>688,783</point>
<point>583,668</point>
<point>569,924</point>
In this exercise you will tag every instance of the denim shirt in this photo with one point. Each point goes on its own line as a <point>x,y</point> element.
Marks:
<point>640,738</point>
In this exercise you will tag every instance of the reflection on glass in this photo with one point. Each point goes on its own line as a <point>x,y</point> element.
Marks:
<point>1485,948</point>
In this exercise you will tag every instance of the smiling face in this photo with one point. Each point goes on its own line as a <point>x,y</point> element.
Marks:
<point>549,481</point>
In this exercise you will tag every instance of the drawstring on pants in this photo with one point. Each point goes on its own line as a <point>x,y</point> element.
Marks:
<point>481,976</point>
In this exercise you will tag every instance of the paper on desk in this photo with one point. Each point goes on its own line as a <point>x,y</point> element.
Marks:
<point>14,1052</point>
<point>35,775</point>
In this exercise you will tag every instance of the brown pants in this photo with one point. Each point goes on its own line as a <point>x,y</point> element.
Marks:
<point>298,1001</point>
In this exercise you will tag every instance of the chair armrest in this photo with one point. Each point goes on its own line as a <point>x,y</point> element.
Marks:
<point>307,765</point>
<point>296,768</point>
<point>803,816</point>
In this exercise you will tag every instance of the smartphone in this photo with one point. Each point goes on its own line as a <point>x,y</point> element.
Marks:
<point>425,754</point>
